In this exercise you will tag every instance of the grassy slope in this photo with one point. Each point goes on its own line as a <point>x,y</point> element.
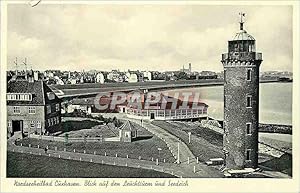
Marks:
<point>208,144</point>
<point>77,125</point>
<point>202,146</point>
<point>146,147</point>
<point>24,165</point>
<point>282,164</point>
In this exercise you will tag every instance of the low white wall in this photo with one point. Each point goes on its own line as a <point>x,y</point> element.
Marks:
<point>112,139</point>
<point>73,139</point>
<point>80,119</point>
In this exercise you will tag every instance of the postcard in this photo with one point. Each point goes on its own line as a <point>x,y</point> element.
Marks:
<point>149,96</point>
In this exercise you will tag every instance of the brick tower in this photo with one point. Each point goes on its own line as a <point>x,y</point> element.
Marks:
<point>241,101</point>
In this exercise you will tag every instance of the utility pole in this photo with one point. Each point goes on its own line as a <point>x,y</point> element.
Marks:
<point>16,63</point>
<point>25,63</point>
<point>178,158</point>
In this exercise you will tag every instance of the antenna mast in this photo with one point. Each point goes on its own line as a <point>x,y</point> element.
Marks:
<point>16,63</point>
<point>25,63</point>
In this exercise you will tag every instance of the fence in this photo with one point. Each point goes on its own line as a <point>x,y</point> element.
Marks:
<point>73,139</point>
<point>108,160</point>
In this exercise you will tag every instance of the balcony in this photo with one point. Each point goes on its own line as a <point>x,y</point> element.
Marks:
<point>243,56</point>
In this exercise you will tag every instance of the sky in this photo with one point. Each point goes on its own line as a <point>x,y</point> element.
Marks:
<point>143,37</point>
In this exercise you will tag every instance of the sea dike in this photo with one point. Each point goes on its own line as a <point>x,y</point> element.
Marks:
<point>46,183</point>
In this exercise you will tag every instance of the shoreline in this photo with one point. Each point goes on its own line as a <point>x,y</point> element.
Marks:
<point>187,83</point>
<point>275,128</point>
<point>70,91</point>
<point>268,127</point>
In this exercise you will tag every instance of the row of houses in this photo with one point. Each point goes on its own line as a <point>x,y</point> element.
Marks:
<point>93,76</point>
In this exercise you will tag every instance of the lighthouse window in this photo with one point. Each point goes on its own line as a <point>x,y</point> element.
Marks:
<point>248,127</point>
<point>249,101</point>
<point>248,154</point>
<point>249,74</point>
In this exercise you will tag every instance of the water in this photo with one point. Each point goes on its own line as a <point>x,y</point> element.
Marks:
<point>275,102</point>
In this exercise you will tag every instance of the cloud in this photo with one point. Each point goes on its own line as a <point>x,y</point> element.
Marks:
<point>152,37</point>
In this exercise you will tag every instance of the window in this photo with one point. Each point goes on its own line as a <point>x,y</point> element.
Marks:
<point>38,124</point>
<point>248,154</point>
<point>25,124</point>
<point>31,110</point>
<point>57,119</point>
<point>249,101</point>
<point>16,110</point>
<point>249,74</point>
<point>57,107</point>
<point>9,124</point>
<point>248,128</point>
<point>48,107</point>
<point>8,96</point>
<point>26,97</point>
<point>22,97</point>
<point>32,124</point>
<point>19,97</point>
<point>49,123</point>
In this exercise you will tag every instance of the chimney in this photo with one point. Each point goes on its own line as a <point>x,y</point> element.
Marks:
<point>30,77</point>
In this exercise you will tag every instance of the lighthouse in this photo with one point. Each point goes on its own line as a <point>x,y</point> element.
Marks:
<point>241,100</point>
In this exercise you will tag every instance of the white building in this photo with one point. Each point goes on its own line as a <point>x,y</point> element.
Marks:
<point>147,75</point>
<point>58,80</point>
<point>100,78</point>
<point>133,78</point>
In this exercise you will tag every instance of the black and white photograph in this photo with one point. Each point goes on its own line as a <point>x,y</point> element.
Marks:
<point>170,91</point>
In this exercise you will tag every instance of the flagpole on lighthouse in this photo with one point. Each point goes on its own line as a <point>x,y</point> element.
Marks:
<point>242,22</point>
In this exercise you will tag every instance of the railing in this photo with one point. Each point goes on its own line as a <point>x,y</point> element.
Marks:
<point>242,56</point>
<point>258,56</point>
<point>169,114</point>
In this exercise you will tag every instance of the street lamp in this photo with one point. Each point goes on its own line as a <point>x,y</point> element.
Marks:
<point>178,158</point>
<point>142,118</point>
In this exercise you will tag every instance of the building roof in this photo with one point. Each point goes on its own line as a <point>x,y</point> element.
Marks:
<point>38,89</point>
<point>242,35</point>
<point>128,126</point>
<point>165,101</point>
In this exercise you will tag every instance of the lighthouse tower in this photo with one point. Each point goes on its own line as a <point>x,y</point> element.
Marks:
<point>241,101</point>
